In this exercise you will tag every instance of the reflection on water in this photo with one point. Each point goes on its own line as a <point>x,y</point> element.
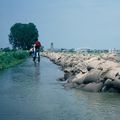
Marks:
<point>36,73</point>
<point>30,92</point>
<point>100,106</point>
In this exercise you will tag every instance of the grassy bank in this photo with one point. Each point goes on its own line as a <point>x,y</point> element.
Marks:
<point>8,59</point>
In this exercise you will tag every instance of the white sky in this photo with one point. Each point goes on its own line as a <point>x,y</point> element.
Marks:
<point>67,23</point>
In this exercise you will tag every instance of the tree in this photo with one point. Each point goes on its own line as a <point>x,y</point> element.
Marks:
<point>23,35</point>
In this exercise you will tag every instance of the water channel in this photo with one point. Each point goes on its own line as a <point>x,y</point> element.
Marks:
<point>31,92</point>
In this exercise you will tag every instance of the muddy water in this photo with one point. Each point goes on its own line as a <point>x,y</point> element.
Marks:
<point>31,92</point>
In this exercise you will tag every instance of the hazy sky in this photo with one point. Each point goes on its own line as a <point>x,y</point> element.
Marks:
<point>67,23</point>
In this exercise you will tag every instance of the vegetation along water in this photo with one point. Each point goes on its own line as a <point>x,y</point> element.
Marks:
<point>11,58</point>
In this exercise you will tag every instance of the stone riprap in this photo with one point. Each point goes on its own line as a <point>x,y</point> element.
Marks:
<point>94,73</point>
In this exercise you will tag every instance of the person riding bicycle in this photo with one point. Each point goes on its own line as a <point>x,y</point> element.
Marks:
<point>37,46</point>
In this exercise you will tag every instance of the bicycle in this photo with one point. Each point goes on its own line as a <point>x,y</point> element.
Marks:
<point>36,55</point>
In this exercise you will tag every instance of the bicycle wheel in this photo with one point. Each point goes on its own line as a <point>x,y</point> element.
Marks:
<point>38,57</point>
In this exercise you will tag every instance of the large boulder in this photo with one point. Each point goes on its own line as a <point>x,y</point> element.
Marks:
<point>93,87</point>
<point>109,65</point>
<point>92,76</point>
<point>111,85</point>
<point>116,84</point>
<point>82,66</point>
<point>112,73</point>
<point>95,62</point>
<point>79,78</point>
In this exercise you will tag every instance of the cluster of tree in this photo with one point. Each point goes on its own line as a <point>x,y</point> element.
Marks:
<point>22,36</point>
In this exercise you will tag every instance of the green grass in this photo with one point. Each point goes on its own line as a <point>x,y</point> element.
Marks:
<point>8,59</point>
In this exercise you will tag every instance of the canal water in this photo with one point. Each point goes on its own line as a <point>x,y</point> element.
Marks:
<point>31,92</point>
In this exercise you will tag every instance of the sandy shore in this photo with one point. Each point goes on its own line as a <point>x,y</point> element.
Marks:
<point>94,73</point>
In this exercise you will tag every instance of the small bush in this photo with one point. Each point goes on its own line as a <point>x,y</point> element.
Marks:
<point>20,54</point>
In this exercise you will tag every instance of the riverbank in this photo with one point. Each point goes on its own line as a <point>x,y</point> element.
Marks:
<point>94,73</point>
<point>8,59</point>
